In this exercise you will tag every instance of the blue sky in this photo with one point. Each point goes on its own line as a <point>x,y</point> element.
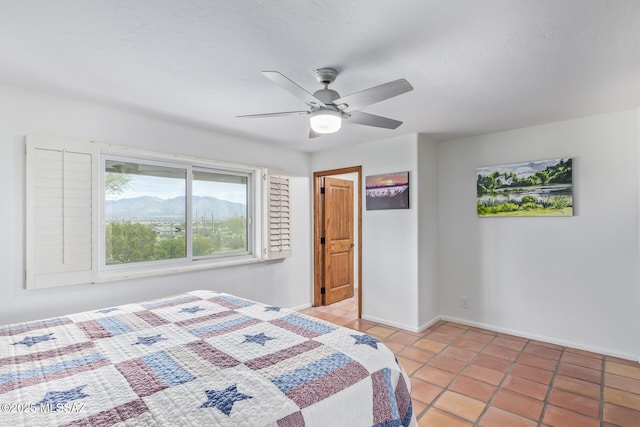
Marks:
<point>520,169</point>
<point>168,188</point>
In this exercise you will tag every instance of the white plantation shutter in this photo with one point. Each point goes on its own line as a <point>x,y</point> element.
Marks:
<point>278,212</point>
<point>60,213</point>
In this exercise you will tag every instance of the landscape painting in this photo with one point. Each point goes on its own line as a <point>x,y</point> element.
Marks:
<point>387,191</point>
<point>539,188</point>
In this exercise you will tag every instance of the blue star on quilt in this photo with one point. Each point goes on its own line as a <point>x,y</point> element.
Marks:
<point>261,338</point>
<point>191,309</point>
<point>29,341</point>
<point>55,399</point>
<point>366,340</point>
<point>149,341</point>
<point>223,400</point>
<point>272,308</point>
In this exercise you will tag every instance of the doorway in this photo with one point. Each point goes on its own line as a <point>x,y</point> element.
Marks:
<point>337,233</point>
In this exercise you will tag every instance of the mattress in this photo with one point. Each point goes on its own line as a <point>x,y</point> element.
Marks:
<point>197,359</point>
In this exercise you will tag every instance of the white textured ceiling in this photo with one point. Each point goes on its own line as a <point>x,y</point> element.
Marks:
<point>477,66</point>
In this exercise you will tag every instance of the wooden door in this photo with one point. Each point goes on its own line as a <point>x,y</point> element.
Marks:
<point>338,240</point>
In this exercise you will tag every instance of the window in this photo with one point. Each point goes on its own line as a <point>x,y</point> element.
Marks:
<point>97,212</point>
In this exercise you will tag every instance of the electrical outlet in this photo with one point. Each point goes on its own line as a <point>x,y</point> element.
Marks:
<point>464,303</point>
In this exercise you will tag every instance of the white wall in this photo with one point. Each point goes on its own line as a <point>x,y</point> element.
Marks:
<point>285,283</point>
<point>389,237</point>
<point>428,270</point>
<point>568,280</point>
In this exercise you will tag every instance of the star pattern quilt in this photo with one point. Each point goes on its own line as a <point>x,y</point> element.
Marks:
<point>198,359</point>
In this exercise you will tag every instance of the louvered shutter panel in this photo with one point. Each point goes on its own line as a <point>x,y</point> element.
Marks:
<point>60,213</point>
<point>278,221</point>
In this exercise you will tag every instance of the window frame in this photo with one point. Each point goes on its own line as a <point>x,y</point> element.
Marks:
<point>266,235</point>
<point>189,262</point>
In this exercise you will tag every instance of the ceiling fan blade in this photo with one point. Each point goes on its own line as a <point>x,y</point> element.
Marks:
<point>365,97</point>
<point>372,120</point>
<point>313,134</point>
<point>293,88</point>
<point>284,113</point>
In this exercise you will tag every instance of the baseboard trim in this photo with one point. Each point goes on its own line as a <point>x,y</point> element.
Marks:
<point>300,307</point>
<point>390,323</point>
<point>565,343</point>
<point>429,323</point>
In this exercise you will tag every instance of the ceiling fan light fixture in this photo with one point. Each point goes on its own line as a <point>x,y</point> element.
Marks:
<point>325,121</point>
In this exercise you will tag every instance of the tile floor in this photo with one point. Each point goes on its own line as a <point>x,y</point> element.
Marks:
<point>466,376</point>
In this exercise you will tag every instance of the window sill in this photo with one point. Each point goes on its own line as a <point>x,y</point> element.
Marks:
<point>112,276</point>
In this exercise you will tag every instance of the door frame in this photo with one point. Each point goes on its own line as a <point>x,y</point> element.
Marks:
<point>317,232</point>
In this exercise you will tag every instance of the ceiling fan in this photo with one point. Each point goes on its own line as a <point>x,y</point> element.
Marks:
<point>327,108</point>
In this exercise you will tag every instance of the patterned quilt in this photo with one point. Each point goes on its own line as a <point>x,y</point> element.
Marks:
<point>198,359</point>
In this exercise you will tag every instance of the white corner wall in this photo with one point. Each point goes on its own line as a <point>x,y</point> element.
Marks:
<point>285,283</point>
<point>389,237</point>
<point>573,281</point>
<point>428,286</point>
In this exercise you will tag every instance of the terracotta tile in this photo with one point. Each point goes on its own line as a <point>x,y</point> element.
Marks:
<point>501,352</point>
<point>325,316</point>
<point>409,365</point>
<point>547,345</point>
<point>621,416</point>
<point>396,347</point>
<point>456,325</point>
<point>459,354</point>
<point>483,331</point>
<point>580,372</point>
<point>526,387</point>
<point>495,417</point>
<point>541,351</point>
<point>402,338</point>
<point>584,353</point>
<point>580,360</point>
<point>622,369</point>
<point>380,331</point>
<point>538,362</point>
<point>442,337</point>
<point>494,363</point>
<point>531,373</point>
<point>622,383</point>
<point>338,311</point>
<point>558,417</point>
<point>469,344</point>
<point>509,343</point>
<point>430,345</point>
<point>462,406</point>
<point>450,330</point>
<point>575,402</point>
<point>513,337</point>
<point>424,391</point>
<point>434,375</point>
<point>518,404</point>
<point>473,388</point>
<point>482,336</point>
<point>622,398</point>
<point>621,361</point>
<point>437,418</point>
<point>418,408</point>
<point>575,385</point>
<point>448,364</point>
<point>484,374</point>
<point>417,354</point>
<point>342,321</point>
<point>362,325</point>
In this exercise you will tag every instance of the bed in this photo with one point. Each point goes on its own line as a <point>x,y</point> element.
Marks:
<point>197,359</point>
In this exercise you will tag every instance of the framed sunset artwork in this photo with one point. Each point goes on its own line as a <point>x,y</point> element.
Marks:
<point>387,191</point>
